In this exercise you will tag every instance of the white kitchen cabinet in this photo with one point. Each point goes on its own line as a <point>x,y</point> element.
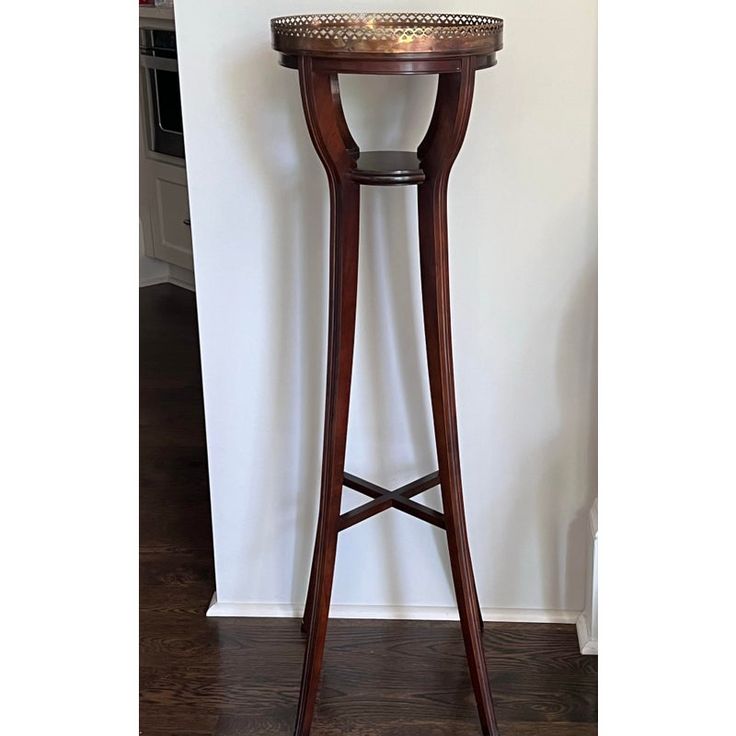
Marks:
<point>169,204</point>
<point>164,200</point>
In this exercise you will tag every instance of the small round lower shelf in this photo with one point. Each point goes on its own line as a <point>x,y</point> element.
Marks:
<point>387,168</point>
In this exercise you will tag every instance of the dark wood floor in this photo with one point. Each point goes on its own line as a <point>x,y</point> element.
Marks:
<point>232,677</point>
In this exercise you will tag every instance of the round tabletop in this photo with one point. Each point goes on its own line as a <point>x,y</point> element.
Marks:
<point>387,35</point>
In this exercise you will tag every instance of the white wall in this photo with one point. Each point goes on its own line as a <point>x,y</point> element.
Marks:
<point>522,238</point>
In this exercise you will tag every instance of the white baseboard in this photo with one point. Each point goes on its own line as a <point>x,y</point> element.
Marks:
<point>181,278</point>
<point>588,645</point>
<point>587,623</point>
<point>153,281</point>
<point>414,613</point>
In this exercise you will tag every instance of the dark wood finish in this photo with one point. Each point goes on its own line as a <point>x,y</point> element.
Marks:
<point>239,677</point>
<point>410,64</point>
<point>363,486</point>
<point>350,145</point>
<point>347,168</point>
<point>437,152</point>
<point>386,168</point>
<point>384,499</point>
<point>407,491</point>
<point>325,121</point>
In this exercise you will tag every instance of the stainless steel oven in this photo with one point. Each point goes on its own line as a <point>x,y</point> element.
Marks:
<point>160,77</point>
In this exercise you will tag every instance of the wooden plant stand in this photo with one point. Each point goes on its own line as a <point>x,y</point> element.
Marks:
<point>453,47</point>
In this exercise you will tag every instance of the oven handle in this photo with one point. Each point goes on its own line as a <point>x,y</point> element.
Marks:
<point>160,63</point>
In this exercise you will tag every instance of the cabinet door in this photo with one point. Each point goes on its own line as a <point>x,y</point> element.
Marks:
<point>172,237</point>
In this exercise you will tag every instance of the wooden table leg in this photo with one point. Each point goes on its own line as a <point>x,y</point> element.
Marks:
<point>352,148</point>
<point>438,151</point>
<point>323,120</point>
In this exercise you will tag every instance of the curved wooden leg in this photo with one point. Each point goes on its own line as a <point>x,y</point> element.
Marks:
<point>436,301</point>
<point>352,148</point>
<point>438,151</point>
<point>325,123</point>
<point>343,289</point>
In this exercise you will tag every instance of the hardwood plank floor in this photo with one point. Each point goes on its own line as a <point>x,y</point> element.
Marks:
<point>240,677</point>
